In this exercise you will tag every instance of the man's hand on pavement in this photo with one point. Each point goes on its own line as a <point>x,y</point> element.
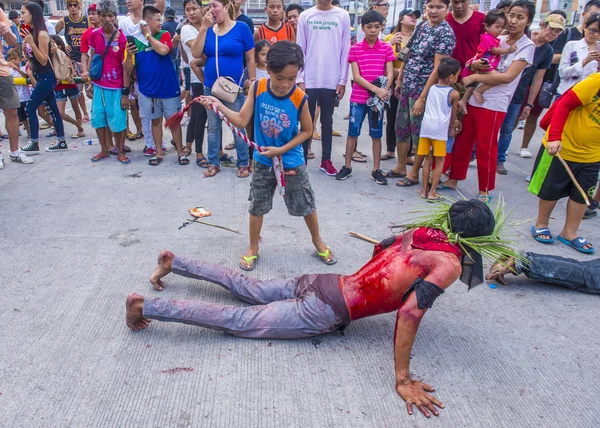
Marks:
<point>416,392</point>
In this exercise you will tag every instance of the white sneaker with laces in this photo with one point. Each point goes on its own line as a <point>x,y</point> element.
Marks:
<point>21,157</point>
<point>525,153</point>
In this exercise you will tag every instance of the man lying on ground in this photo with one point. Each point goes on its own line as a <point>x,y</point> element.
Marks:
<point>407,273</point>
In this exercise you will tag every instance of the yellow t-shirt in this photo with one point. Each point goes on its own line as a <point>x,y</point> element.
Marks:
<point>581,134</point>
<point>397,64</point>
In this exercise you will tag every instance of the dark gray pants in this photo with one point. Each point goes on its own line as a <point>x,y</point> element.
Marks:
<point>281,311</point>
<point>579,276</point>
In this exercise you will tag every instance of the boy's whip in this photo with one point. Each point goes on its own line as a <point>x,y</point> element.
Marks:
<point>174,121</point>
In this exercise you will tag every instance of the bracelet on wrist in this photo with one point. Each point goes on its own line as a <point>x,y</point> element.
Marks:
<point>529,105</point>
<point>125,91</point>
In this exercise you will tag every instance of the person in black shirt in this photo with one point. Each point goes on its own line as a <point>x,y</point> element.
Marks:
<point>240,17</point>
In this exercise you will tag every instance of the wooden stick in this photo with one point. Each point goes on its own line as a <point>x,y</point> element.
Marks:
<point>197,220</point>
<point>573,179</point>
<point>364,238</point>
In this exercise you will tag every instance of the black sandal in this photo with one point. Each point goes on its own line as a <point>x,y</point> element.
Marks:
<point>202,162</point>
<point>155,161</point>
<point>183,160</point>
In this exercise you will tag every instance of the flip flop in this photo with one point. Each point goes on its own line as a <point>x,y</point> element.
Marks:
<point>536,232</point>
<point>250,261</point>
<point>407,182</point>
<point>359,159</point>
<point>229,146</point>
<point>99,157</point>
<point>486,199</point>
<point>183,160</point>
<point>442,186</point>
<point>124,159</point>
<point>154,161</point>
<point>387,157</point>
<point>325,257</point>
<point>311,155</point>
<point>393,174</point>
<point>577,244</point>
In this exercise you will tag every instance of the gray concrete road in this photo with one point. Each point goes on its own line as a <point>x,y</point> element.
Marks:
<point>77,237</point>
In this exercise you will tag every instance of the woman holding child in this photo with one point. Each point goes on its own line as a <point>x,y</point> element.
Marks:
<point>483,120</point>
<point>432,40</point>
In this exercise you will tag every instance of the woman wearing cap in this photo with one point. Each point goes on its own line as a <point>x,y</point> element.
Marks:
<point>580,58</point>
<point>398,38</point>
<point>524,99</point>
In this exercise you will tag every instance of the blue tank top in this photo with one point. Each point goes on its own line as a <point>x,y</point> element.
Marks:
<point>276,121</point>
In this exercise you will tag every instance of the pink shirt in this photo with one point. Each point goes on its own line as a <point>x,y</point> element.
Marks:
<point>371,62</point>
<point>112,66</point>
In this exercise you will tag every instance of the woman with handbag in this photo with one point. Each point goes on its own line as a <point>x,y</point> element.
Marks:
<point>398,38</point>
<point>226,45</point>
<point>36,45</point>
<point>432,40</point>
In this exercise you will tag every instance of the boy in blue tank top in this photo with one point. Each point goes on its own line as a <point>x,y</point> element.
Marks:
<point>278,106</point>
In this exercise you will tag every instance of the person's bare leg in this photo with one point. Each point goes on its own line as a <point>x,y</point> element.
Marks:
<point>157,135</point>
<point>134,315</point>
<point>312,222</point>
<point>575,213</point>
<point>75,106</point>
<point>163,268</point>
<point>178,138</point>
<point>413,174</point>
<point>255,225</point>
<point>12,128</point>
<point>435,179</point>
<point>120,142</point>
<point>426,171</point>
<point>596,196</point>
<point>376,153</point>
<point>81,102</point>
<point>104,139</point>
<point>65,117</point>
<point>350,144</point>
<point>43,113</point>
<point>545,209</point>
<point>402,147</point>
<point>528,131</point>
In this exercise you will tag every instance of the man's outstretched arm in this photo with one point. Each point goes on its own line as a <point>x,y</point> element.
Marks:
<point>414,392</point>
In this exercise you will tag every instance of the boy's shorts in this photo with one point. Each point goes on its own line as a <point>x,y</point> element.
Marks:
<point>9,98</point>
<point>107,111</point>
<point>156,108</point>
<point>22,112</point>
<point>551,182</point>
<point>299,197</point>
<point>427,144</point>
<point>357,117</point>
<point>63,94</point>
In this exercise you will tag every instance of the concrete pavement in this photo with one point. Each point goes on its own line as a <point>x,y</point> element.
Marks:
<point>77,237</point>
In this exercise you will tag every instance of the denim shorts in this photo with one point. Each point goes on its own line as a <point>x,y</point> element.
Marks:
<point>155,108</point>
<point>299,197</point>
<point>187,78</point>
<point>63,94</point>
<point>357,117</point>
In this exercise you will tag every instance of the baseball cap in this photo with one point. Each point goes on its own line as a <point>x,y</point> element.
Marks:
<point>415,12</point>
<point>555,21</point>
<point>170,13</point>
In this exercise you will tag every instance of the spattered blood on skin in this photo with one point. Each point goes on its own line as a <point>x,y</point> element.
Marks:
<point>177,370</point>
<point>379,285</point>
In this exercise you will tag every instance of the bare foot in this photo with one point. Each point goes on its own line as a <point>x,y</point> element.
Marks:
<point>164,267</point>
<point>134,317</point>
<point>478,96</point>
<point>500,268</point>
<point>462,104</point>
<point>433,196</point>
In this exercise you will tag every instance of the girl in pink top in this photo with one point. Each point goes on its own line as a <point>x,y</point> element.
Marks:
<point>489,50</point>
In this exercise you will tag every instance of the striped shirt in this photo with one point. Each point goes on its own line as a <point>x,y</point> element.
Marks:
<point>371,62</point>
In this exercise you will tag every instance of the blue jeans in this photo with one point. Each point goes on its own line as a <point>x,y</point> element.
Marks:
<point>506,130</point>
<point>357,117</point>
<point>214,133</point>
<point>43,92</point>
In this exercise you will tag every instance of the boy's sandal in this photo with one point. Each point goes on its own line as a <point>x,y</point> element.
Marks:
<point>577,244</point>
<point>311,155</point>
<point>154,161</point>
<point>229,146</point>
<point>359,158</point>
<point>99,157</point>
<point>407,182</point>
<point>183,160</point>
<point>124,159</point>
<point>327,257</point>
<point>248,263</point>
<point>538,232</point>
<point>211,171</point>
<point>133,137</point>
<point>361,153</point>
<point>393,174</point>
<point>114,151</point>
<point>202,162</point>
<point>126,148</point>
<point>243,172</point>
<point>78,135</point>
<point>226,158</point>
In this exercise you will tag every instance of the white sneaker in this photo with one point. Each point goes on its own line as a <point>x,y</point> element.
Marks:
<point>1,161</point>
<point>525,153</point>
<point>20,157</point>
<point>521,124</point>
<point>185,120</point>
